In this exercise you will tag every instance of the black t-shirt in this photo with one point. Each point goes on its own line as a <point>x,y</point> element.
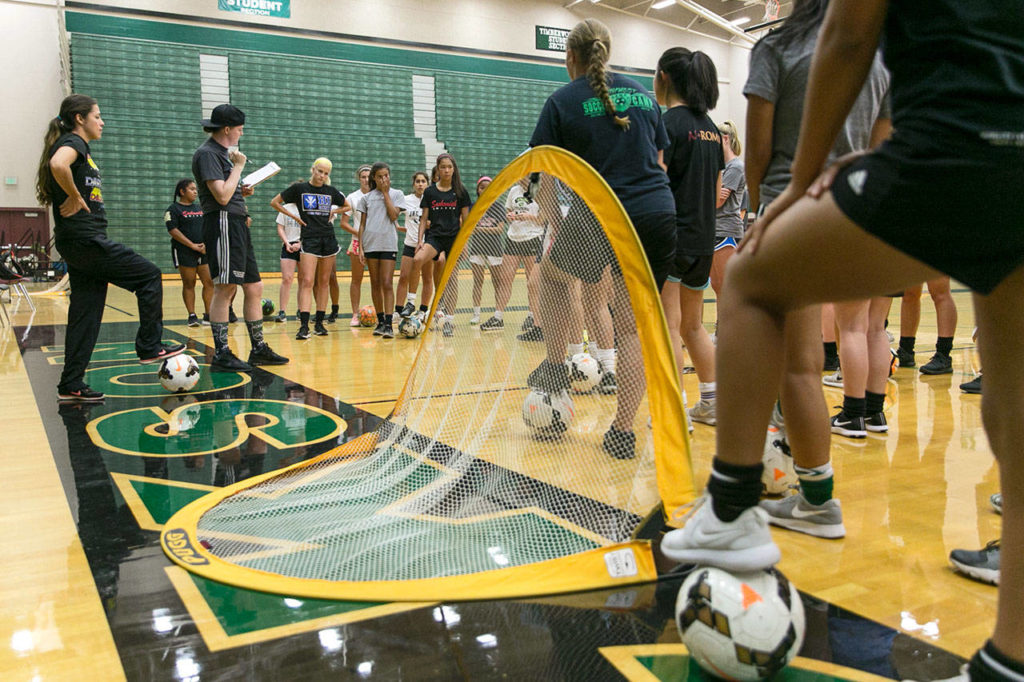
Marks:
<point>694,158</point>
<point>957,67</point>
<point>87,179</point>
<point>187,219</point>
<point>314,207</point>
<point>445,208</point>
<point>574,118</point>
<point>211,162</point>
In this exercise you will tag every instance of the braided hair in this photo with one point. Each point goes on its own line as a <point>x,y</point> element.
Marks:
<point>591,43</point>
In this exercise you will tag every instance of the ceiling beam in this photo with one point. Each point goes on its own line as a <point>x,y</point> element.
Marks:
<point>715,19</point>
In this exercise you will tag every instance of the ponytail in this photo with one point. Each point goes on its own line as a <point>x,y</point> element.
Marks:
<point>70,108</point>
<point>693,77</point>
<point>591,42</point>
<point>180,187</point>
<point>729,128</point>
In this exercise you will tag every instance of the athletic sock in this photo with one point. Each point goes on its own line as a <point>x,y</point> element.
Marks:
<point>944,345</point>
<point>605,356</point>
<point>476,310</point>
<point>411,298</point>
<point>423,308</point>
<point>854,407</point>
<point>334,309</point>
<point>303,318</point>
<point>907,343</point>
<point>220,335</point>
<point>499,314</point>
<point>387,319</point>
<point>320,316</point>
<point>255,328</point>
<point>572,349</point>
<point>398,308</point>
<point>380,318</point>
<point>831,349</point>
<point>707,390</point>
<point>816,484</point>
<point>734,488</point>
<point>990,664</point>
<point>874,402</point>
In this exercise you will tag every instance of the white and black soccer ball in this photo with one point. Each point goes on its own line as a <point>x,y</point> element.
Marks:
<point>179,374</point>
<point>410,327</point>
<point>779,473</point>
<point>584,372</point>
<point>740,626</point>
<point>548,414</point>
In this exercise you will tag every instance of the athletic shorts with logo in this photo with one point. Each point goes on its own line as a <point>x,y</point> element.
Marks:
<point>229,249</point>
<point>184,257</point>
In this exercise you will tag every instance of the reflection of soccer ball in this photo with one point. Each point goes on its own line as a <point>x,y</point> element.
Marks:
<point>779,473</point>
<point>268,307</point>
<point>368,316</point>
<point>584,372</point>
<point>743,626</point>
<point>548,414</point>
<point>410,327</point>
<point>179,374</point>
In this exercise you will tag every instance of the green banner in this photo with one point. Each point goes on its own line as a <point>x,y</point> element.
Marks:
<point>260,8</point>
<point>551,38</point>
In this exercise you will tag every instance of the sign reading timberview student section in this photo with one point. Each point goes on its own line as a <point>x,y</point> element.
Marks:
<point>260,8</point>
<point>551,38</point>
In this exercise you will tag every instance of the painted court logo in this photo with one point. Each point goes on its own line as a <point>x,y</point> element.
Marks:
<point>177,543</point>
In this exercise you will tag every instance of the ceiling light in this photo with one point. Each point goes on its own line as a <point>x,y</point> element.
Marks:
<point>662,4</point>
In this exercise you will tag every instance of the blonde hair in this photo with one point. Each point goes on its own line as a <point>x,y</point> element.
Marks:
<point>591,42</point>
<point>729,128</point>
<point>322,161</point>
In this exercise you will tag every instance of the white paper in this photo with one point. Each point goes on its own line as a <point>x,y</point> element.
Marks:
<point>256,177</point>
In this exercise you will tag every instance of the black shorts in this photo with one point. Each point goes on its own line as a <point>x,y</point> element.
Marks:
<point>184,257</point>
<point>380,255</point>
<point>289,255</point>
<point>229,249</point>
<point>486,243</point>
<point>321,247</point>
<point>693,272</point>
<point>441,243</point>
<point>408,251</point>
<point>955,206</point>
<point>531,247</point>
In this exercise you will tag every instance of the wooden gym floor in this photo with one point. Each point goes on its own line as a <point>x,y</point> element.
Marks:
<point>87,593</point>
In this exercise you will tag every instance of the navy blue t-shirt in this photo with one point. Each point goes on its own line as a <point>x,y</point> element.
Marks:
<point>574,118</point>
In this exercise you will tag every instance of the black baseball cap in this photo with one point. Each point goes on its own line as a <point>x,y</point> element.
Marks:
<point>224,115</point>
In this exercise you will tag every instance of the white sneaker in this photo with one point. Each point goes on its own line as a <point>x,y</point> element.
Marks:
<point>475,319</point>
<point>703,411</point>
<point>742,545</point>
<point>835,380</point>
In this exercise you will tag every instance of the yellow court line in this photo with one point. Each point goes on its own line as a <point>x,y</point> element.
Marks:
<point>217,639</point>
<point>138,508</point>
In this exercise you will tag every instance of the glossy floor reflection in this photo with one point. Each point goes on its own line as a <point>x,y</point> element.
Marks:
<point>86,586</point>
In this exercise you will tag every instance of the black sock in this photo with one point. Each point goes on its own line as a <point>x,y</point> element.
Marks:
<point>944,344</point>
<point>854,407</point>
<point>220,335</point>
<point>380,318</point>
<point>907,343</point>
<point>831,351</point>
<point>874,402</point>
<point>320,316</point>
<point>990,664</point>
<point>334,309</point>
<point>387,320</point>
<point>303,318</point>
<point>423,308</point>
<point>734,488</point>
<point>398,308</point>
<point>255,328</point>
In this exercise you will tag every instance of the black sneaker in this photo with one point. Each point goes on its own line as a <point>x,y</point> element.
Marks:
<point>906,357</point>
<point>379,329</point>
<point>527,324</point>
<point>492,325</point>
<point>193,320</point>
<point>549,377</point>
<point>303,333</point>
<point>831,364</point>
<point>331,318</point>
<point>981,565</point>
<point>619,444</point>
<point>973,386</point>
<point>166,350</point>
<point>319,329</point>
<point>83,394</point>
<point>939,364</point>
<point>876,423</point>
<point>408,310</point>
<point>387,332</point>
<point>265,355</point>
<point>231,315</point>
<point>851,427</point>
<point>226,361</point>
<point>206,319</point>
<point>533,334</point>
<point>607,384</point>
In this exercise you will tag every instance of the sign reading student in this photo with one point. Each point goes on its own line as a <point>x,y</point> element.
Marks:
<point>260,8</point>
<point>551,38</point>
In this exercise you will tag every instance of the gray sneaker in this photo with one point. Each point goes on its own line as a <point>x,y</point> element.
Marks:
<point>997,502</point>
<point>703,411</point>
<point>834,380</point>
<point>981,565</point>
<point>796,513</point>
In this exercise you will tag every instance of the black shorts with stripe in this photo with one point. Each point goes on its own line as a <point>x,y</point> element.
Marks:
<point>184,257</point>
<point>229,249</point>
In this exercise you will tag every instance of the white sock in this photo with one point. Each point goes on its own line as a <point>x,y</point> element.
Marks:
<point>499,314</point>
<point>707,390</point>
<point>572,349</point>
<point>411,298</point>
<point>476,311</point>
<point>606,356</point>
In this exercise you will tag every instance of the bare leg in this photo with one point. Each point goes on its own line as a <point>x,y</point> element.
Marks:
<point>188,288</point>
<point>376,290</point>
<point>718,263</point>
<point>631,380</point>
<point>204,277</point>
<point>325,274</point>
<point>478,283</point>
<point>387,277</point>
<point>695,337</point>
<point>879,356</point>
<point>852,317</point>
<point>945,307</point>
<point>252,303</point>
<point>828,323</point>
<point>803,403</point>
<point>910,310</point>
<point>287,277</point>
<point>307,276</point>
<point>356,285</point>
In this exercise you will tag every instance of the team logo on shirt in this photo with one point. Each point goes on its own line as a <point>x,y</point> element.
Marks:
<point>96,195</point>
<point>316,204</point>
<point>623,99</point>
<point>92,164</point>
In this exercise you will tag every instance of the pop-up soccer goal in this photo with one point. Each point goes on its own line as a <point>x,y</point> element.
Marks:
<point>478,486</point>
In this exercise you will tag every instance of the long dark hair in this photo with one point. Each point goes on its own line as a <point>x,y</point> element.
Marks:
<point>693,77</point>
<point>71,108</point>
<point>460,189</point>
<point>806,17</point>
<point>379,166</point>
<point>180,187</point>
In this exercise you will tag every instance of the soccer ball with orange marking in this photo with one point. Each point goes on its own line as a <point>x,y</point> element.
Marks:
<point>367,316</point>
<point>742,626</point>
<point>179,374</point>
<point>779,473</point>
<point>548,414</point>
<point>584,372</point>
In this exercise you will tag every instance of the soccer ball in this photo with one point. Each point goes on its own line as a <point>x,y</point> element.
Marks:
<point>368,316</point>
<point>179,374</point>
<point>548,414</point>
<point>268,307</point>
<point>410,327</point>
<point>779,473</point>
<point>584,372</point>
<point>743,626</point>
